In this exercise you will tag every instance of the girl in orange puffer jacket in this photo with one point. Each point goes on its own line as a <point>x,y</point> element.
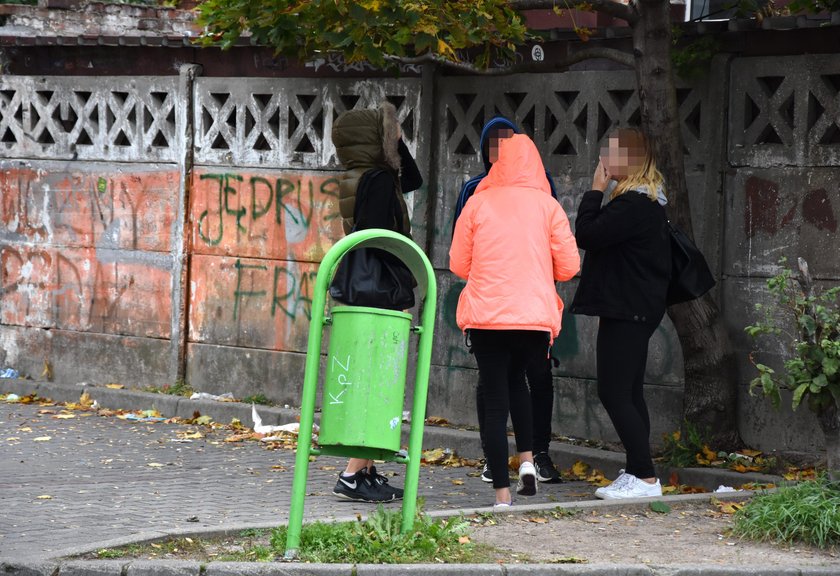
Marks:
<point>511,243</point>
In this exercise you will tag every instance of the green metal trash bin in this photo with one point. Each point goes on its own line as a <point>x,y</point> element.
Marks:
<point>364,384</point>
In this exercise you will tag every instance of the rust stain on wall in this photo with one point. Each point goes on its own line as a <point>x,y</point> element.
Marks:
<point>817,210</point>
<point>761,211</point>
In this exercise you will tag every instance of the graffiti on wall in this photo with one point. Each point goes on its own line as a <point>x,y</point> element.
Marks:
<point>88,251</point>
<point>257,239</point>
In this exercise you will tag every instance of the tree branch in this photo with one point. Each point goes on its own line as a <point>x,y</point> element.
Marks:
<point>615,9</point>
<point>623,58</point>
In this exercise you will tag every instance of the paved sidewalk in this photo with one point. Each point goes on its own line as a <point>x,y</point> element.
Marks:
<point>72,485</point>
<point>107,478</point>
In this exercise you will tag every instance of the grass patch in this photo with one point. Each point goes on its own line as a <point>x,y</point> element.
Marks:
<point>257,399</point>
<point>179,388</point>
<point>380,541</point>
<point>807,512</point>
<point>376,541</point>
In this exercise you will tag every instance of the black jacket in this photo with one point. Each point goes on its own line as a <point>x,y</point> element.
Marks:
<point>627,265</point>
<point>380,205</point>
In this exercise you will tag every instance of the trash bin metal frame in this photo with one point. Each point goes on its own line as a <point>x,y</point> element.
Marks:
<point>413,257</point>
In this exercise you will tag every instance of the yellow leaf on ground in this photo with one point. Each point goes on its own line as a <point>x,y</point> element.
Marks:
<point>457,482</point>
<point>669,489</point>
<point>190,436</point>
<point>155,465</point>
<point>85,399</point>
<point>64,416</point>
<point>12,439</point>
<point>728,507</point>
<point>115,386</point>
<point>25,429</point>
<point>42,439</point>
<point>538,520</point>
<point>579,469</point>
<point>463,540</point>
<point>45,497</point>
<point>738,467</point>
<point>751,453</point>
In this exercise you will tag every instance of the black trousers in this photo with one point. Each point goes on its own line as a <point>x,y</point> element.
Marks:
<point>541,386</point>
<point>502,356</point>
<point>621,358</point>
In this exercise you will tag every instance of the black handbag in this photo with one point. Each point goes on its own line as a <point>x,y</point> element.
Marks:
<point>690,274</point>
<point>371,276</point>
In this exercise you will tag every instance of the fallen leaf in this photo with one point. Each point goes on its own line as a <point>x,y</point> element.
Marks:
<point>64,416</point>
<point>25,429</point>
<point>115,386</point>
<point>202,420</point>
<point>726,507</point>
<point>47,373</point>
<point>46,411</point>
<point>437,421</point>
<point>579,469</point>
<point>45,497</point>
<point>155,465</point>
<point>85,399</point>
<point>670,489</point>
<point>660,507</point>
<point>12,439</point>
<point>457,482</point>
<point>538,520</point>
<point>738,467</point>
<point>186,435</point>
<point>42,439</point>
<point>463,540</point>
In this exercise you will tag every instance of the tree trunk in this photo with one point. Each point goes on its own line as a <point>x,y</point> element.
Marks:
<point>710,373</point>
<point>829,420</point>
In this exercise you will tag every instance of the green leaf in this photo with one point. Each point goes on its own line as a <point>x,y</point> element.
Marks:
<point>830,366</point>
<point>660,507</point>
<point>798,394</point>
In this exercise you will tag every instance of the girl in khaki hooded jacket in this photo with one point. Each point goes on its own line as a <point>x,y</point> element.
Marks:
<point>511,243</point>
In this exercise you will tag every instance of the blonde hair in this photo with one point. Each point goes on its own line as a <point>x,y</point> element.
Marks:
<point>646,175</point>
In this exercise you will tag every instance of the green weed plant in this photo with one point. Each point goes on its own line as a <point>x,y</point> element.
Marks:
<point>807,512</point>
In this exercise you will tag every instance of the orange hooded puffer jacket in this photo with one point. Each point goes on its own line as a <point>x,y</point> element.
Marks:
<point>511,243</point>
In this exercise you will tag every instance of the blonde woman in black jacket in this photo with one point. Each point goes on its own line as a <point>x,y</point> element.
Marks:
<point>624,281</point>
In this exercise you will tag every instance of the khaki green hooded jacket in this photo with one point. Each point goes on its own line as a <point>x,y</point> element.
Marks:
<point>367,139</point>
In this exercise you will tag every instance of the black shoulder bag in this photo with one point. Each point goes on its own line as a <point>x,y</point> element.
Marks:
<point>370,276</point>
<point>690,274</point>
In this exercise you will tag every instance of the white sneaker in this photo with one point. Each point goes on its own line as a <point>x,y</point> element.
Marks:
<point>635,488</point>
<point>615,485</point>
<point>527,485</point>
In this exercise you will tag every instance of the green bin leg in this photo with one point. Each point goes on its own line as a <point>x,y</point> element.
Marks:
<point>307,408</point>
<point>418,411</point>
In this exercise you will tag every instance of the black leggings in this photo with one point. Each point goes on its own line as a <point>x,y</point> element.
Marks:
<point>541,386</point>
<point>502,356</point>
<point>621,359</point>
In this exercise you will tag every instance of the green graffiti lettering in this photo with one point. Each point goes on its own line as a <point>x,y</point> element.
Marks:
<point>231,191</point>
<point>286,187</point>
<point>277,301</point>
<point>258,212</point>
<point>238,294</point>
<point>330,187</point>
<point>207,239</point>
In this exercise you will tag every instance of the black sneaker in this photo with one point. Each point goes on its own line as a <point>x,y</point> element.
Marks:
<point>382,482</point>
<point>546,472</point>
<point>362,488</point>
<point>485,474</point>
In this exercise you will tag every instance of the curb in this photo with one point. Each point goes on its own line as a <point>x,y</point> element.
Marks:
<point>190,568</point>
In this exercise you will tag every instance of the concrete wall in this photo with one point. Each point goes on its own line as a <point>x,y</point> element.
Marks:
<point>157,227</point>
